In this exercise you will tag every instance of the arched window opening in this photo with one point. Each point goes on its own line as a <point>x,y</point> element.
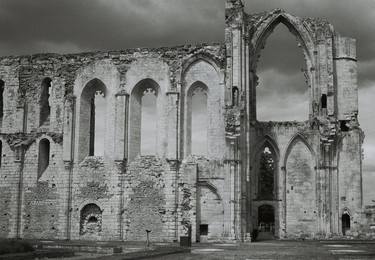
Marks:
<point>149,122</point>
<point>345,221</point>
<point>266,219</point>
<point>92,119</point>
<point>282,93</point>
<point>97,128</point>
<point>90,219</point>
<point>266,174</point>
<point>44,104</point>
<point>143,119</point>
<point>1,100</point>
<point>43,157</point>
<point>235,96</point>
<point>197,109</point>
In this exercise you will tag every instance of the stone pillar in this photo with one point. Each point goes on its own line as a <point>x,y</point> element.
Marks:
<point>121,123</point>
<point>68,156</point>
<point>173,118</point>
<point>236,78</point>
<point>20,161</point>
<point>345,61</point>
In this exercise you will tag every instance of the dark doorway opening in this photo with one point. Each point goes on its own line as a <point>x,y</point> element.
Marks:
<point>345,220</point>
<point>266,223</point>
<point>266,219</point>
<point>203,230</point>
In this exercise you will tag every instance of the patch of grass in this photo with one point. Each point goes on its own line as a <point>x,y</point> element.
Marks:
<point>9,246</point>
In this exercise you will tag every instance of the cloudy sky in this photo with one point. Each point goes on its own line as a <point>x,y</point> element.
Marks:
<point>84,25</point>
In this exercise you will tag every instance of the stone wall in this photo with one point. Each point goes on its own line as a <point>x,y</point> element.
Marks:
<point>119,195</point>
<point>149,200</point>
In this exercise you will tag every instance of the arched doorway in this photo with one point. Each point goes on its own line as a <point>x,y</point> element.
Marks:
<point>266,222</point>
<point>345,221</point>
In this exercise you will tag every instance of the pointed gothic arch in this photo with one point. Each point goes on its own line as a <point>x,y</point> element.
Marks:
<point>267,140</point>
<point>295,27</point>
<point>205,57</point>
<point>298,137</point>
<point>300,30</point>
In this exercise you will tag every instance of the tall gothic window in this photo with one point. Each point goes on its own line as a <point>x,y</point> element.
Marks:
<point>92,119</point>
<point>148,124</point>
<point>266,175</point>
<point>197,106</point>
<point>282,94</point>
<point>143,134</point>
<point>97,128</point>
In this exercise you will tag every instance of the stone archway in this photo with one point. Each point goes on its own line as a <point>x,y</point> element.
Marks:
<point>91,221</point>
<point>345,222</point>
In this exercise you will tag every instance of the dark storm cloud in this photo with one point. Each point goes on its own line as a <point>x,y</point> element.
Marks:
<point>72,25</point>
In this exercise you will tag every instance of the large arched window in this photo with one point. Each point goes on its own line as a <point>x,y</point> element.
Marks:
<point>282,93</point>
<point>143,119</point>
<point>44,104</point>
<point>92,119</point>
<point>43,156</point>
<point>1,100</point>
<point>197,118</point>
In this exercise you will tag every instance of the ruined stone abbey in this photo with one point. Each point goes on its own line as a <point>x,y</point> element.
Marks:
<point>292,179</point>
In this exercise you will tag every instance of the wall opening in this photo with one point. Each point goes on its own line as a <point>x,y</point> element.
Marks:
<point>143,119</point>
<point>323,101</point>
<point>90,220</point>
<point>344,125</point>
<point>43,156</point>
<point>198,119</point>
<point>97,128</point>
<point>345,221</point>
<point>149,122</point>
<point>203,230</point>
<point>266,219</point>
<point>282,94</point>
<point>44,105</point>
<point>266,175</point>
<point>235,96</point>
<point>92,119</point>
<point>1,153</point>
<point>1,100</point>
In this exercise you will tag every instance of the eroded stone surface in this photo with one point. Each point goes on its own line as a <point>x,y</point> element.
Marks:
<point>121,194</point>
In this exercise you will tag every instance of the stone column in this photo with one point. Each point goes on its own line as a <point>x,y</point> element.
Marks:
<point>68,156</point>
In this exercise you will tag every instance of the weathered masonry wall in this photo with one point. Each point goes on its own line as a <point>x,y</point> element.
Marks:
<point>55,185</point>
<point>54,188</point>
<point>318,164</point>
